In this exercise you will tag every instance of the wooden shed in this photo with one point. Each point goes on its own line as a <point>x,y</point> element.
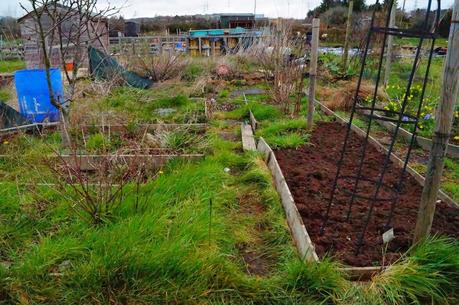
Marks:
<point>94,33</point>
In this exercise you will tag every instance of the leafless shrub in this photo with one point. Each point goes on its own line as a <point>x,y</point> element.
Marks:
<point>201,85</point>
<point>96,194</point>
<point>281,56</point>
<point>161,67</point>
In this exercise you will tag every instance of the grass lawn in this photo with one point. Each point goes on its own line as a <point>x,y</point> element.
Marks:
<point>10,66</point>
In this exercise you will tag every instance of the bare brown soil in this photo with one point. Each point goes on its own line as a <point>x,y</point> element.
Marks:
<point>310,172</point>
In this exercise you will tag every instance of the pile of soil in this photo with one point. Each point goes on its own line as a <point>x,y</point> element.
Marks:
<point>310,172</point>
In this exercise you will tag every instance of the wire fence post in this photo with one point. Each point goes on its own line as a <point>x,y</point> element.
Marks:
<point>444,121</point>
<point>348,35</point>
<point>390,45</point>
<point>313,71</point>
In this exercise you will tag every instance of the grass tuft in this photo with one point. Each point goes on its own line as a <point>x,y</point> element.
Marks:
<point>284,133</point>
<point>321,280</point>
<point>428,274</point>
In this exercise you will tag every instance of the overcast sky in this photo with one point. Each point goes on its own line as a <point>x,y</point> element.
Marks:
<point>150,8</point>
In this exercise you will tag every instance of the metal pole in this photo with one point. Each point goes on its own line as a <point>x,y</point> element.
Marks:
<point>444,121</point>
<point>313,71</point>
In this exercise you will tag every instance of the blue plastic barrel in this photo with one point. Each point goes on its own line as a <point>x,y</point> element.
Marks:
<point>33,95</point>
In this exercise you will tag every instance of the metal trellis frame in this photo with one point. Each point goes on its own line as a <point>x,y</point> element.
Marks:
<point>377,184</point>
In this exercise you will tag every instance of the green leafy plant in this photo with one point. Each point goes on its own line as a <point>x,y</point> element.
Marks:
<point>98,143</point>
<point>333,64</point>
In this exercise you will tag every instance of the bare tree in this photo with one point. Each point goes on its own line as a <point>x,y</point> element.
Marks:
<point>65,30</point>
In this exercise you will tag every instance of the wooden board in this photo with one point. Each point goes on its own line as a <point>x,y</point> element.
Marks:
<point>300,236</point>
<point>248,141</point>
<point>253,122</point>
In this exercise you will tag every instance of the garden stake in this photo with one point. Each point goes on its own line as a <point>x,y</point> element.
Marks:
<point>210,220</point>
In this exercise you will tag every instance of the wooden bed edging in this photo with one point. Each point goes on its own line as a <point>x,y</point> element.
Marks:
<point>147,127</point>
<point>419,178</point>
<point>253,121</point>
<point>248,140</point>
<point>425,143</point>
<point>300,235</point>
<point>152,162</point>
<point>301,238</point>
<point>11,130</point>
<point>295,222</point>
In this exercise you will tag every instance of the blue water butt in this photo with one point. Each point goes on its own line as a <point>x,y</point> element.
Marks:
<point>33,95</point>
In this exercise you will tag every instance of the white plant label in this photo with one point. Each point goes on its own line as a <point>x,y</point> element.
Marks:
<point>388,236</point>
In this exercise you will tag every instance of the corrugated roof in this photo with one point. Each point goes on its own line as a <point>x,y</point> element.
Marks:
<point>236,15</point>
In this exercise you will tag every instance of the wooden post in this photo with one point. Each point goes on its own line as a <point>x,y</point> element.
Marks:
<point>200,46</point>
<point>348,34</point>
<point>444,121</point>
<point>390,44</point>
<point>313,71</point>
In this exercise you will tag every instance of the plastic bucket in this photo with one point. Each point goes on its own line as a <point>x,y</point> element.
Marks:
<point>33,94</point>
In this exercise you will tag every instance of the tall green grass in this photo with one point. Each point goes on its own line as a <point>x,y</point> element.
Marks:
<point>284,133</point>
<point>5,95</point>
<point>144,106</point>
<point>428,274</point>
<point>10,66</point>
<point>261,112</point>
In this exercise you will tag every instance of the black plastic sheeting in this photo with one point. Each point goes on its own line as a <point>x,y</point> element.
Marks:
<point>10,118</point>
<point>106,67</point>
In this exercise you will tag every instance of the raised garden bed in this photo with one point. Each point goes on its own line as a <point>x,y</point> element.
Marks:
<point>303,178</point>
<point>147,139</point>
<point>310,171</point>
